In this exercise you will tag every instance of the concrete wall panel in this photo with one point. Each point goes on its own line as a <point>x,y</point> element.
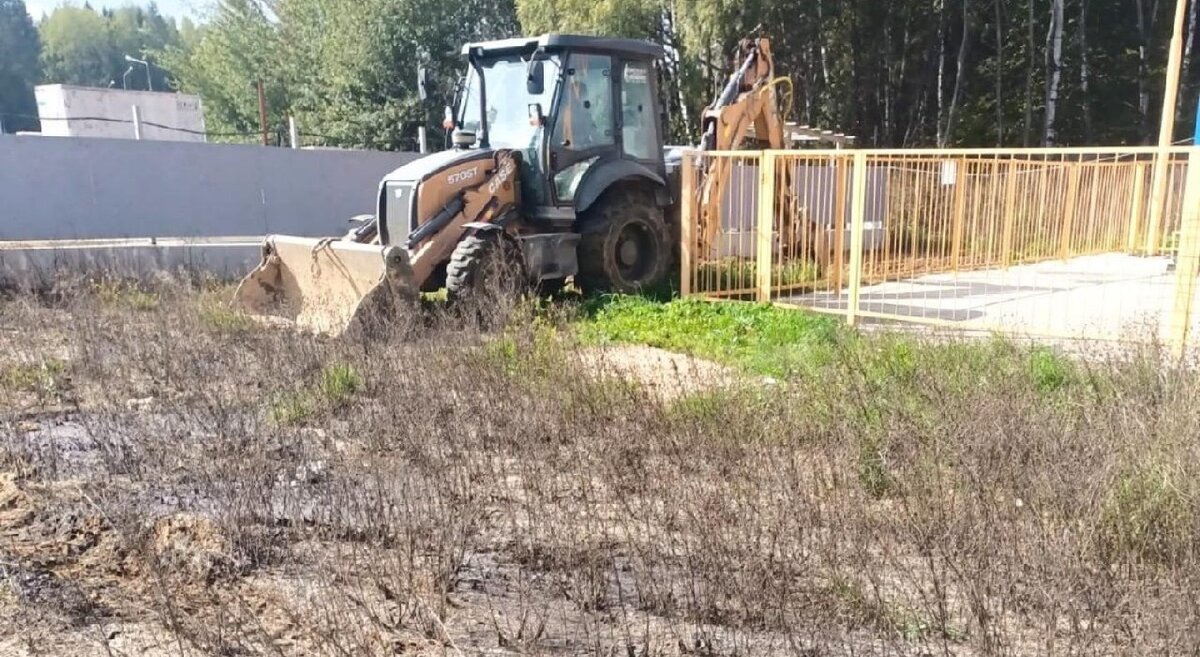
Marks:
<point>55,188</point>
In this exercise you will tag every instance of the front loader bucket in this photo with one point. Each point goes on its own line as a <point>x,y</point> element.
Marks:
<point>326,286</point>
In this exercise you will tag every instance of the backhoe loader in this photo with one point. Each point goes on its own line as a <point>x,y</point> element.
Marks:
<point>557,165</point>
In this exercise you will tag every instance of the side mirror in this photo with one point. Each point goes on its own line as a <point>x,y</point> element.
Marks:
<point>535,81</point>
<point>423,83</point>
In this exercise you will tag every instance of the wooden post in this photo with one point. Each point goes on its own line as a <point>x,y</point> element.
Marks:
<point>960,211</point>
<point>765,228</point>
<point>1166,131</point>
<point>1137,206</point>
<point>1187,263</point>
<point>1072,203</point>
<point>858,220</point>
<point>687,222</point>
<point>839,225</point>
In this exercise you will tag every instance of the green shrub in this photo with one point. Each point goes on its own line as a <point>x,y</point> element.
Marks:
<point>1050,371</point>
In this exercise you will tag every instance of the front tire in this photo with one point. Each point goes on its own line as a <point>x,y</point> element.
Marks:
<point>629,250</point>
<point>483,263</point>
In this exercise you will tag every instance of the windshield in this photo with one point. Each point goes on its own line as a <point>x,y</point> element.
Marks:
<point>508,102</point>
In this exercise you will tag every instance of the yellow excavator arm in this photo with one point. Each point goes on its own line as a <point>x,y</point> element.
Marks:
<point>749,100</point>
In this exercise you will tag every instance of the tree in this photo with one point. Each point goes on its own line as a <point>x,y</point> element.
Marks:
<point>898,73</point>
<point>83,47</point>
<point>19,68</point>
<point>76,48</point>
<point>238,47</point>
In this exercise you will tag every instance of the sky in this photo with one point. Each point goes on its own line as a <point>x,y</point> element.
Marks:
<point>176,8</point>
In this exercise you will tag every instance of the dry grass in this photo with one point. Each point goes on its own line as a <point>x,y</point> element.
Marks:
<point>443,491</point>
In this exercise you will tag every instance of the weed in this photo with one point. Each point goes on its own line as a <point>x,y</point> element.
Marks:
<point>120,294</point>
<point>46,378</point>
<point>1150,514</point>
<point>889,494</point>
<point>335,385</point>
<point>873,467</point>
<point>734,274</point>
<point>221,318</point>
<point>294,407</point>
<point>339,381</point>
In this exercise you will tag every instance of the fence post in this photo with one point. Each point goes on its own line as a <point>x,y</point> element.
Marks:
<point>765,228</point>
<point>1158,199</point>
<point>687,222</point>
<point>137,123</point>
<point>1069,211</point>
<point>858,221</point>
<point>960,211</point>
<point>1137,206</point>
<point>1010,210</point>
<point>839,225</point>
<point>1187,263</point>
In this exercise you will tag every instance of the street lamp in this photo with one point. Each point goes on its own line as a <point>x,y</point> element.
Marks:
<point>125,78</point>
<point>134,60</point>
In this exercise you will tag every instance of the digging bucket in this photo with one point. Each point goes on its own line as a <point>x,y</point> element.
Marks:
<point>326,286</point>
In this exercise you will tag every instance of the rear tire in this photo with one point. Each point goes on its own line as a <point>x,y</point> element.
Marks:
<point>630,249</point>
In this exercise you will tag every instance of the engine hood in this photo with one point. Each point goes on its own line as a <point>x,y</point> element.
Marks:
<point>425,167</point>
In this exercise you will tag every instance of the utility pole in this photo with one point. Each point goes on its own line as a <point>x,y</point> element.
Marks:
<point>1166,131</point>
<point>262,112</point>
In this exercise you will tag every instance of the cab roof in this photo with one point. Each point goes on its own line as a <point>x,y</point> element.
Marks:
<point>551,42</point>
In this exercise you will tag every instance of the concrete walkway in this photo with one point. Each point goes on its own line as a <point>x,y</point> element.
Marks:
<point>1110,296</point>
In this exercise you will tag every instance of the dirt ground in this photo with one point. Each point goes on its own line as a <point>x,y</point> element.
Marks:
<point>175,482</point>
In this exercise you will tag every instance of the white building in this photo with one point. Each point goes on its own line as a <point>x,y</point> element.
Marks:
<point>70,111</point>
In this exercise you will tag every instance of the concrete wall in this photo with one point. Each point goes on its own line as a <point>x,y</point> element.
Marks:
<point>71,111</point>
<point>60,188</point>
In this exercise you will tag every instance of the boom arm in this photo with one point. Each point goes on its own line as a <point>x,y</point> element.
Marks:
<point>748,100</point>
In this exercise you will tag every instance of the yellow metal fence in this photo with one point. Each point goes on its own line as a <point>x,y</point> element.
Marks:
<point>1054,242</point>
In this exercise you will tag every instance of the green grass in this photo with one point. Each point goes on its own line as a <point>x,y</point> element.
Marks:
<point>786,343</point>
<point>757,338</point>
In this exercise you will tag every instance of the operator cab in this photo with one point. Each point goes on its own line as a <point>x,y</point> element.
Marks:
<point>575,107</point>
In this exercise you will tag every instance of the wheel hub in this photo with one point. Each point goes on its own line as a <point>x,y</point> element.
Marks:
<point>634,252</point>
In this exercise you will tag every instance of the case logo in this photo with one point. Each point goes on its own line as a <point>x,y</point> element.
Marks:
<point>507,167</point>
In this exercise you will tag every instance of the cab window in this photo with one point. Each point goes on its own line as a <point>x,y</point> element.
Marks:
<point>639,132</point>
<point>585,117</point>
